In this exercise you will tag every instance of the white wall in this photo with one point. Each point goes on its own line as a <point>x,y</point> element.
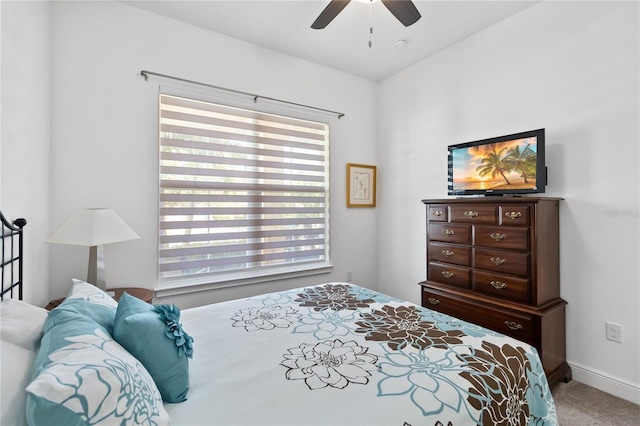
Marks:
<point>25,111</point>
<point>104,133</point>
<point>572,68</point>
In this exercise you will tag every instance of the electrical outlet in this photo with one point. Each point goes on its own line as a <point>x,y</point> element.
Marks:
<point>614,332</point>
<point>349,276</point>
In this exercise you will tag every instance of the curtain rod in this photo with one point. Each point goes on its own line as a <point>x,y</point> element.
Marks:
<point>146,75</point>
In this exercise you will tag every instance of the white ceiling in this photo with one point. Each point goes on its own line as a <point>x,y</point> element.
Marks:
<point>285,26</point>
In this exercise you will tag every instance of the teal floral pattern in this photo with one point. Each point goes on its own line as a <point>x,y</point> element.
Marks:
<point>430,380</point>
<point>328,324</point>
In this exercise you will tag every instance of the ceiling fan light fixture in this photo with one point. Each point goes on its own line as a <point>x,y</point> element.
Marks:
<point>404,11</point>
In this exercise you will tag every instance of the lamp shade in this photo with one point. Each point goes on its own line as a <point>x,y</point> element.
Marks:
<point>93,227</point>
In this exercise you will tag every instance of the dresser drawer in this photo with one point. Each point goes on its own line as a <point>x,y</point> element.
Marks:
<point>506,262</point>
<point>459,234</point>
<point>501,237</point>
<point>514,215</point>
<point>460,255</point>
<point>438,213</point>
<point>505,287</point>
<point>473,214</point>
<point>515,324</point>
<point>449,274</point>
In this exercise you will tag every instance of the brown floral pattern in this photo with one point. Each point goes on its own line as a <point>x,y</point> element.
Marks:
<point>507,384</point>
<point>332,296</point>
<point>403,325</point>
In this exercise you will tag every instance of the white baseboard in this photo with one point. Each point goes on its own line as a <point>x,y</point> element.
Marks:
<point>604,382</point>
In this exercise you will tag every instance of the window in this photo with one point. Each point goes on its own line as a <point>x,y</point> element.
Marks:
<point>242,192</point>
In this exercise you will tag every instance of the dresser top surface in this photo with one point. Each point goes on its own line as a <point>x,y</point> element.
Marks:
<point>491,200</point>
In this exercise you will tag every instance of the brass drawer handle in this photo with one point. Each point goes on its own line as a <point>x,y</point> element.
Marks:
<point>448,274</point>
<point>513,215</point>
<point>498,285</point>
<point>497,236</point>
<point>470,213</point>
<point>448,253</point>
<point>513,325</point>
<point>438,213</point>
<point>433,301</point>
<point>448,232</point>
<point>498,260</point>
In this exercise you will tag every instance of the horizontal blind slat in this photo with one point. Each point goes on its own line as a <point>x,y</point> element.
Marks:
<point>210,159</point>
<point>180,132</point>
<point>236,125</point>
<point>222,211</point>
<point>238,198</point>
<point>201,224</point>
<point>221,149</point>
<point>240,174</point>
<point>232,186</point>
<point>308,255</point>
<point>221,236</point>
<point>230,248</point>
<point>238,112</point>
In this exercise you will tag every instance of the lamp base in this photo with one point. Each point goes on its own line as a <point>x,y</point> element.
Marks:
<point>95,273</point>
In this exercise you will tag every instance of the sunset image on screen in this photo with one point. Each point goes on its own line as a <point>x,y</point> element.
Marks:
<point>497,166</point>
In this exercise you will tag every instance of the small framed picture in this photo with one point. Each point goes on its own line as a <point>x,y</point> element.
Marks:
<point>361,185</point>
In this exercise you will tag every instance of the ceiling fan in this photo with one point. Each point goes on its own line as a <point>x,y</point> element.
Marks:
<point>404,10</point>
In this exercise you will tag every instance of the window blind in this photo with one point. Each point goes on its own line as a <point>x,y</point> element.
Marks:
<point>240,190</point>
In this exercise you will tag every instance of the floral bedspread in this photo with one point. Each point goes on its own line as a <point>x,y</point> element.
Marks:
<point>342,354</point>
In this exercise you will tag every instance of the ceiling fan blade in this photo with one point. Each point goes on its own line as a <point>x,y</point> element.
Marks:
<point>329,12</point>
<point>404,10</point>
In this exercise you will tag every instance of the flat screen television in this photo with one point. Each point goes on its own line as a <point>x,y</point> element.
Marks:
<point>504,165</point>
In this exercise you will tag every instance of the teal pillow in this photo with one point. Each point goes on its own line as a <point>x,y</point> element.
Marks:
<point>82,376</point>
<point>153,334</point>
<point>91,302</point>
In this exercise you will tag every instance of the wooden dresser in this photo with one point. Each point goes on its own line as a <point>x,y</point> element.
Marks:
<point>494,261</point>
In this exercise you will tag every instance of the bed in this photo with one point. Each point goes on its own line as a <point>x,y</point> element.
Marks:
<point>330,354</point>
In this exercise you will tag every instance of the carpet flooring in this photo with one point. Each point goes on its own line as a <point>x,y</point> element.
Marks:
<point>580,405</point>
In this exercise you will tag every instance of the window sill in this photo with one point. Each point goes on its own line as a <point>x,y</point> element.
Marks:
<point>186,286</point>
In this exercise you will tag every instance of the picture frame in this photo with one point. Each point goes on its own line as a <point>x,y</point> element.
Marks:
<point>361,185</point>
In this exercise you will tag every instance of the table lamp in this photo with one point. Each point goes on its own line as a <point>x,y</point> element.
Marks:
<point>94,228</point>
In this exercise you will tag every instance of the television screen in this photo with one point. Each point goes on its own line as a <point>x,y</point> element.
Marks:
<point>511,164</point>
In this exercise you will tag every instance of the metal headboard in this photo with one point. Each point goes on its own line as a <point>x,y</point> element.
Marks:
<point>11,273</point>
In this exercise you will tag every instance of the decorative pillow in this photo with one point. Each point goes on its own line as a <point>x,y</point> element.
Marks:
<point>91,302</point>
<point>16,363</point>
<point>154,335</point>
<point>21,323</point>
<point>82,376</point>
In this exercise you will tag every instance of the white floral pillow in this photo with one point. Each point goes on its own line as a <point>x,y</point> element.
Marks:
<point>89,301</point>
<point>82,376</point>
<point>89,292</point>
